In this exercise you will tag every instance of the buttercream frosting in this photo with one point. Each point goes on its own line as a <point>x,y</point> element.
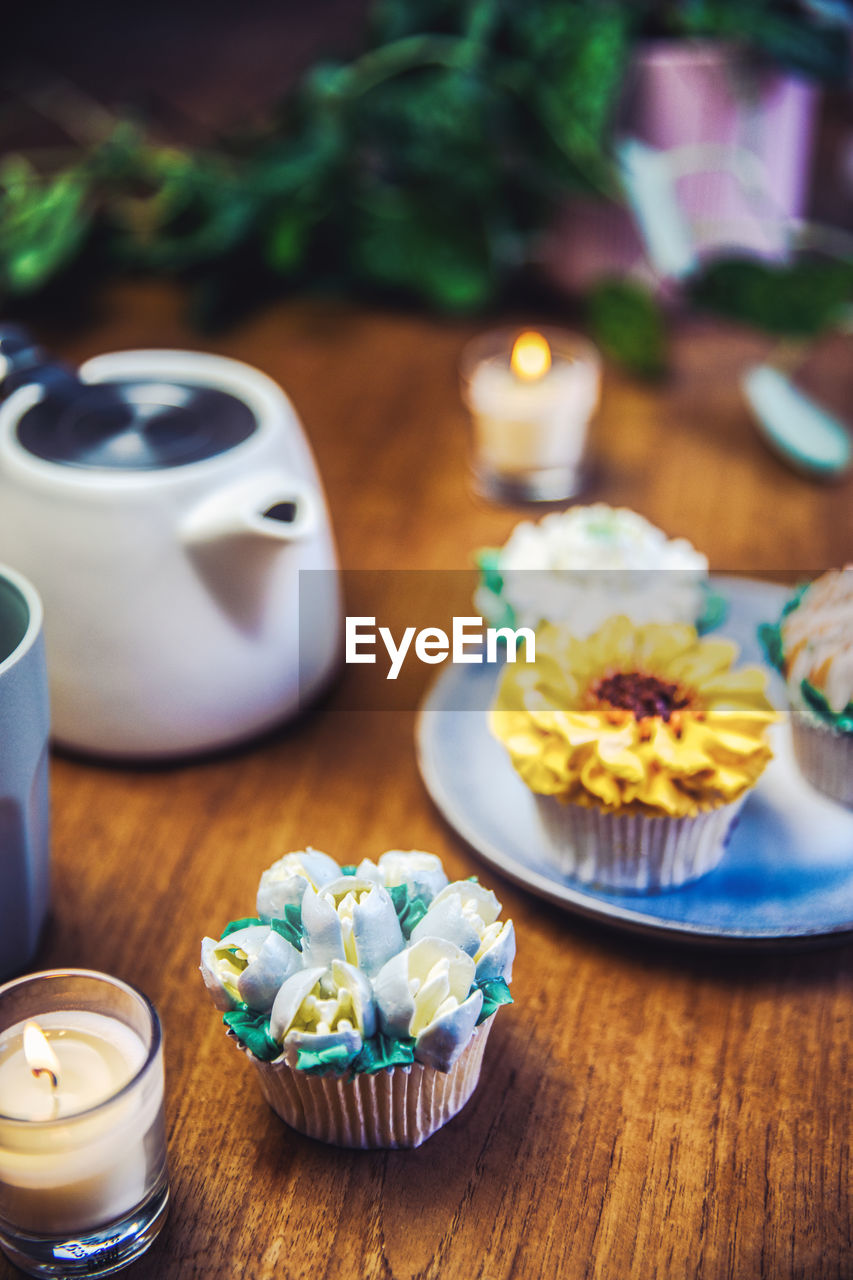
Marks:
<point>381,964</point>
<point>817,639</point>
<point>684,732</point>
<point>581,566</point>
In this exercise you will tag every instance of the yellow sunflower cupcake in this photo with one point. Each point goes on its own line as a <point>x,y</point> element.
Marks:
<point>640,744</point>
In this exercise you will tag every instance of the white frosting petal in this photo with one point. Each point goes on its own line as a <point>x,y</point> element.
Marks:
<point>352,918</point>
<point>289,1000</point>
<point>284,883</point>
<point>461,912</point>
<point>421,873</point>
<point>423,992</point>
<point>496,952</point>
<point>322,940</point>
<point>224,997</point>
<point>441,1043</point>
<point>260,981</point>
<point>394,999</point>
<point>447,920</point>
<point>223,963</point>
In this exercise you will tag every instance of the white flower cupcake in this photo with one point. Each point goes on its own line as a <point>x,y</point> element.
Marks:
<point>812,645</point>
<point>582,566</point>
<point>366,1004</point>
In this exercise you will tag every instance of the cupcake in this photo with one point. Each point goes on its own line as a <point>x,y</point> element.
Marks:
<point>363,998</point>
<point>582,566</point>
<point>639,744</point>
<point>812,645</point>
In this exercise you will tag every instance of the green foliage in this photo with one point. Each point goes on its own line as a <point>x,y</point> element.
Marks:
<point>797,300</point>
<point>628,325</point>
<point>425,169</point>
<point>802,37</point>
<point>43,223</point>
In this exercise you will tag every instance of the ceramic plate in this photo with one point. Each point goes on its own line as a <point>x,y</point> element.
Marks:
<point>787,875</point>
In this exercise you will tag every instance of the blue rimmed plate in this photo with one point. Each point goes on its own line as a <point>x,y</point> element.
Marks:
<point>787,874</point>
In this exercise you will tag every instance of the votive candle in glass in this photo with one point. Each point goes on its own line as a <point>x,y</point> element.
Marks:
<point>83,1175</point>
<point>530,395</point>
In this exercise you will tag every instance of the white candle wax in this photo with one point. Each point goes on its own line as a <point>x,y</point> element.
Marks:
<point>527,425</point>
<point>63,1166</point>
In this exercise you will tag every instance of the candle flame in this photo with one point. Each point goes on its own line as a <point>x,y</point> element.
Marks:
<point>531,356</point>
<point>40,1057</point>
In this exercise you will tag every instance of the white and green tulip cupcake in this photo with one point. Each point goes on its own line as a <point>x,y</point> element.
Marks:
<point>812,645</point>
<point>363,995</point>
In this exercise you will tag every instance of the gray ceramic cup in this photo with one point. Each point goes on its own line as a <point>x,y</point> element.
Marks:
<point>24,801</point>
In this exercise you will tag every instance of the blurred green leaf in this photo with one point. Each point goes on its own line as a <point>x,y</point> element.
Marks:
<point>798,300</point>
<point>410,246</point>
<point>570,78</point>
<point>43,223</point>
<point>628,325</point>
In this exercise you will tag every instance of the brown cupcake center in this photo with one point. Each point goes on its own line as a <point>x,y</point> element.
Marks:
<point>642,694</point>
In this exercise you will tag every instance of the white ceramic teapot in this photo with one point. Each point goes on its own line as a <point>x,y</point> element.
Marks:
<point>166,505</point>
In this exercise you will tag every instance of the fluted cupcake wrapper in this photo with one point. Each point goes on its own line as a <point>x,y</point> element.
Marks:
<point>634,852</point>
<point>825,756</point>
<point>395,1107</point>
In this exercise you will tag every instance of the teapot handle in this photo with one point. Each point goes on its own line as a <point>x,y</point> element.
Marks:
<point>269,507</point>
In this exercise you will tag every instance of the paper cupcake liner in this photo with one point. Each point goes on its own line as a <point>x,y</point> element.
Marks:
<point>396,1107</point>
<point>634,852</point>
<point>825,756</point>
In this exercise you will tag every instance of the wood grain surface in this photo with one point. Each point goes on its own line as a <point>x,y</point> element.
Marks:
<point>644,1110</point>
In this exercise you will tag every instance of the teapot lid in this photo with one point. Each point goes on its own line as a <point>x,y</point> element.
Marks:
<point>134,424</point>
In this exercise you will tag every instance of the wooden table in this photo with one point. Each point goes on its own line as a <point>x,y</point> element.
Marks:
<point>644,1110</point>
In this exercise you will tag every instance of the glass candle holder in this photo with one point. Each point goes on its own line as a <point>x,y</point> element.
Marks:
<point>83,1175</point>
<point>530,396</point>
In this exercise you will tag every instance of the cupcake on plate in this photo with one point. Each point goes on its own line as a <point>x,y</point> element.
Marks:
<point>812,645</point>
<point>582,566</point>
<point>365,1007</point>
<point>640,744</point>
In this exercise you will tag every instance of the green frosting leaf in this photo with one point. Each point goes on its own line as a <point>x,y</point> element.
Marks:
<point>487,560</point>
<point>770,633</point>
<point>842,720</point>
<point>381,1051</point>
<point>501,612</point>
<point>495,993</point>
<point>714,610</point>
<point>349,870</point>
<point>290,927</point>
<point>233,925</point>
<point>410,910</point>
<point>318,1062</point>
<point>252,1030</point>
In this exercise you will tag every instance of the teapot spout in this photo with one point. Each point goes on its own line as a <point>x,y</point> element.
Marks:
<point>267,508</point>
